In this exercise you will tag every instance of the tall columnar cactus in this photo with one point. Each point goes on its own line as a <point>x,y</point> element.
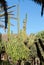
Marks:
<point>24,27</point>
<point>9,28</point>
<point>18,18</point>
<point>24,23</point>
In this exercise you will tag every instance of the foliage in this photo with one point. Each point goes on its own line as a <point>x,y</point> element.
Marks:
<point>31,39</point>
<point>0,46</point>
<point>33,52</point>
<point>40,35</point>
<point>16,49</point>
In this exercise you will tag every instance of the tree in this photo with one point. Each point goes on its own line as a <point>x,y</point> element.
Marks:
<point>4,6</point>
<point>41,2</point>
<point>39,43</point>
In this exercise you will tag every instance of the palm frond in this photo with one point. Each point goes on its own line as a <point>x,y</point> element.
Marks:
<point>4,5</point>
<point>38,1</point>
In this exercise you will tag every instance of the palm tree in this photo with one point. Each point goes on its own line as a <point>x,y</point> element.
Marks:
<point>41,2</point>
<point>39,52</point>
<point>3,5</point>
